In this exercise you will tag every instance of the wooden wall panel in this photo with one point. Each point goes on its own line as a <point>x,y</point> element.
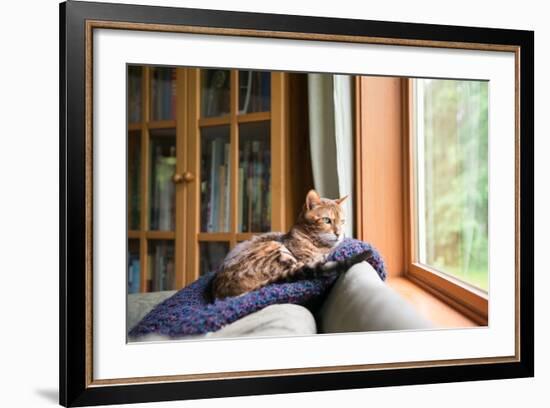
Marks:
<point>379,153</point>
<point>299,157</point>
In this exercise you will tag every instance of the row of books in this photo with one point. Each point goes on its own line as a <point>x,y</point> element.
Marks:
<point>163,94</point>
<point>160,264</point>
<point>134,273</point>
<point>162,216</point>
<point>254,183</point>
<point>254,202</point>
<point>215,187</point>
<point>254,91</point>
<point>134,197</point>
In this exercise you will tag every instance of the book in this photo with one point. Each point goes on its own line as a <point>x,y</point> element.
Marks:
<point>266,91</point>
<point>150,273</point>
<point>210,224</point>
<point>162,217</point>
<point>222,199</point>
<point>241,199</point>
<point>158,268</point>
<point>256,186</point>
<point>173,102</point>
<point>213,213</point>
<point>134,273</point>
<point>162,262</point>
<point>227,189</point>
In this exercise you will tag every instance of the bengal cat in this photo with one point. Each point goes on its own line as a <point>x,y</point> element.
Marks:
<point>301,253</point>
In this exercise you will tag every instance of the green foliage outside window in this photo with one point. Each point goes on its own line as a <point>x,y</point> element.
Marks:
<point>454,238</point>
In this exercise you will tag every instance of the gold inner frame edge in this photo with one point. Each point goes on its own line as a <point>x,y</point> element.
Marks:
<point>98,24</point>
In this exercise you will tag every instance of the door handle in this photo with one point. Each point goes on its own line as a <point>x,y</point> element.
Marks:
<point>186,177</point>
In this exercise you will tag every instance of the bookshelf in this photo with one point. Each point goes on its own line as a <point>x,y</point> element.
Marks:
<point>208,166</point>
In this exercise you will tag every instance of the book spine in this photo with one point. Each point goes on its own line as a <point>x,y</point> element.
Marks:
<point>213,189</point>
<point>256,186</point>
<point>173,100</point>
<point>266,91</point>
<point>249,204</point>
<point>169,280</point>
<point>133,273</point>
<point>156,97</point>
<point>159,258</point>
<point>227,189</point>
<point>242,194</point>
<point>247,180</point>
<point>167,108</point>
<point>221,180</point>
<point>267,175</point>
<point>156,190</point>
<point>150,272</point>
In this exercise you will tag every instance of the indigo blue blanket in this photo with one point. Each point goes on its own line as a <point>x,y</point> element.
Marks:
<point>192,310</point>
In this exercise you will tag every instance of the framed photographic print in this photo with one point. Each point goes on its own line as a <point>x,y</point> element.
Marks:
<point>255,203</point>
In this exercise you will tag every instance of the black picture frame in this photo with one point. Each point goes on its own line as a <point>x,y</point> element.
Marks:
<point>74,387</point>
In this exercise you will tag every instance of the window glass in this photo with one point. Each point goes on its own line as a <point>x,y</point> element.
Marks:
<point>452,177</point>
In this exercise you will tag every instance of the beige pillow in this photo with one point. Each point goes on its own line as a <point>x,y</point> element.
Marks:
<point>274,320</point>
<point>361,301</point>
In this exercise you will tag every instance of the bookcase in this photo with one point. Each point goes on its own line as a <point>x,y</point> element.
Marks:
<point>209,164</point>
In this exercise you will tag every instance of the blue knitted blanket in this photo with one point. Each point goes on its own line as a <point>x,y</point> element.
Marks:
<point>192,311</point>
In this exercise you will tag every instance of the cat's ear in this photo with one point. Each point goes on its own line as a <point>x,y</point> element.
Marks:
<point>312,199</point>
<point>341,199</point>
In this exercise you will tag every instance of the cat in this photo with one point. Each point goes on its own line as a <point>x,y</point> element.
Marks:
<point>301,253</point>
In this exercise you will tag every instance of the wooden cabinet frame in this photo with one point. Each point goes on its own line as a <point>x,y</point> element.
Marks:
<point>385,201</point>
<point>278,140</point>
<point>145,126</point>
<point>188,124</point>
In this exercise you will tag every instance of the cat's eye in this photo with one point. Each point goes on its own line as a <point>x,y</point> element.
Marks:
<point>326,220</point>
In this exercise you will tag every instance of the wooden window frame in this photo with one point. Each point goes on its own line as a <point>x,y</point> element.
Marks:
<point>470,301</point>
<point>385,200</point>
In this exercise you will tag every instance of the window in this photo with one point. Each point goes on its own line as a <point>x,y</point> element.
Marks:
<point>422,186</point>
<point>449,188</point>
<point>451,178</point>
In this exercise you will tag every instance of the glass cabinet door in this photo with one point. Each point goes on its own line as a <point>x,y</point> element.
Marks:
<point>235,160</point>
<point>226,142</point>
<point>162,167</point>
<point>163,94</point>
<point>254,177</point>
<point>215,92</point>
<point>151,165</point>
<point>254,92</point>
<point>215,179</point>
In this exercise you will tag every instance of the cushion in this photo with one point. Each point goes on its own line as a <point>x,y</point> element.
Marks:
<point>191,310</point>
<point>139,304</point>
<point>360,301</point>
<point>274,320</point>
